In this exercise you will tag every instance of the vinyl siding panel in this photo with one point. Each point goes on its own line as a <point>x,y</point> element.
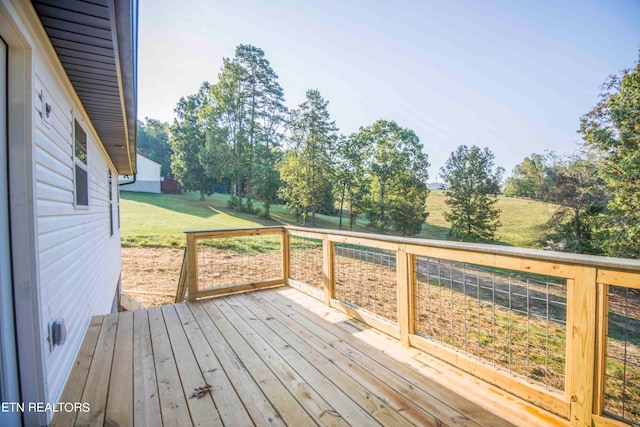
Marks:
<point>78,259</point>
<point>52,177</point>
<point>56,146</point>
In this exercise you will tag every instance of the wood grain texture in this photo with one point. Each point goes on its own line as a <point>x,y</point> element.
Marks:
<point>273,357</point>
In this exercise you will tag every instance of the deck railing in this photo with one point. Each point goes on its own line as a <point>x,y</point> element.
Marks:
<point>559,330</point>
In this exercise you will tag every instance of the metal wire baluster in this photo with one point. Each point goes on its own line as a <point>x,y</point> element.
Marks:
<point>479,327</point>
<point>626,341</point>
<point>451,296</point>
<point>441,292</point>
<point>429,318</point>
<point>464,307</point>
<point>510,326</point>
<point>493,320</point>
<point>527,355</point>
<point>547,348</point>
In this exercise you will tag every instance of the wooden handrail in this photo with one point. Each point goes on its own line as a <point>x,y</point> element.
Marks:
<point>609,263</point>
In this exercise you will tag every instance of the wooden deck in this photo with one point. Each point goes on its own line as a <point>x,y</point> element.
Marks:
<point>272,357</point>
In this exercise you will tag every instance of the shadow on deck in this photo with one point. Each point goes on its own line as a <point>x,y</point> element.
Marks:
<point>271,357</point>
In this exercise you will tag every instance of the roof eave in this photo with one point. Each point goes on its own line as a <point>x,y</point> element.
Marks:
<point>96,44</point>
<point>124,28</point>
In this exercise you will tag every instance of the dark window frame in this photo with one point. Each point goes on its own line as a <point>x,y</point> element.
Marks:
<point>81,167</point>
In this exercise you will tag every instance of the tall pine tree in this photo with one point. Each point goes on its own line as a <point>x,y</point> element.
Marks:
<point>248,103</point>
<point>307,167</point>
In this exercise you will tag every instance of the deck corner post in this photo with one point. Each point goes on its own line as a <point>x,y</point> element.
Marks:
<point>328,269</point>
<point>192,267</point>
<point>582,331</point>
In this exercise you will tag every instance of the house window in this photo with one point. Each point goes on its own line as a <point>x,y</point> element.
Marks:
<point>110,179</point>
<point>80,160</point>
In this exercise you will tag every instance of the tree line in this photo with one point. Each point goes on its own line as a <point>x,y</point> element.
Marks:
<point>238,134</point>
<point>597,189</point>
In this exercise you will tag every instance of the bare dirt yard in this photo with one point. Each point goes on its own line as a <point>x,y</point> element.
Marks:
<point>150,275</point>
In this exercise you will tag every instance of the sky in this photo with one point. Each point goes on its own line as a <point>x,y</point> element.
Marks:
<point>513,76</point>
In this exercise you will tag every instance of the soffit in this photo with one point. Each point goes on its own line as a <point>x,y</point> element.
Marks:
<point>96,43</point>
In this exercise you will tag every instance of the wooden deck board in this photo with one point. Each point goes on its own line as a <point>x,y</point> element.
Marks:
<point>146,408</point>
<point>256,403</point>
<point>97,388</point>
<point>78,377</point>
<point>227,402</point>
<point>399,393</point>
<point>436,376</point>
<point>273,357</point>
<point>342,389</point>
<point>436,400</point>
<point>202,409</point>
<point>293,371</point>
<point>173,403</point>
<point>431,397</point>
<point>289,409</point>
<point>120,398</point>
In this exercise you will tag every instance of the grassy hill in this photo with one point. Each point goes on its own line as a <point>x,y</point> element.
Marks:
<point>522,220</point>
<point>159,220</point>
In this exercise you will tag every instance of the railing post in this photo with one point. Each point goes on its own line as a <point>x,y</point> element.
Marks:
<point>601,352</point>
<point>413,292</point>
<point>327,268</point>
<point>405,265</point>
<point>285,243</point>
<point>192,267</point>
<point>581,352</point>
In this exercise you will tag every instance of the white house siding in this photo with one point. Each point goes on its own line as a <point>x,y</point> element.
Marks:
<point>79,262</point>
<point>147,178</point>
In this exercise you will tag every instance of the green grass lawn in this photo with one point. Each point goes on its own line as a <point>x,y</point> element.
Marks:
<point>522,220</point>
<point>159,220</point>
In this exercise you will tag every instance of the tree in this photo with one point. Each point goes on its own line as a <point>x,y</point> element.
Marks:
<point>248,103</point>
<point>611,129</point>
<point>406,210</point>
<point>153,143</point>
<point>216,155</point>
<point>188,141</point>
<point>352,182</point>
<point>266,179</point>
<point>225,110</point>
<point>473,186</point>
<point>399,173</point>
<point>294,189</point>
<point>532,178</point>
<point>581,196</point>
<point>307,167</point>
